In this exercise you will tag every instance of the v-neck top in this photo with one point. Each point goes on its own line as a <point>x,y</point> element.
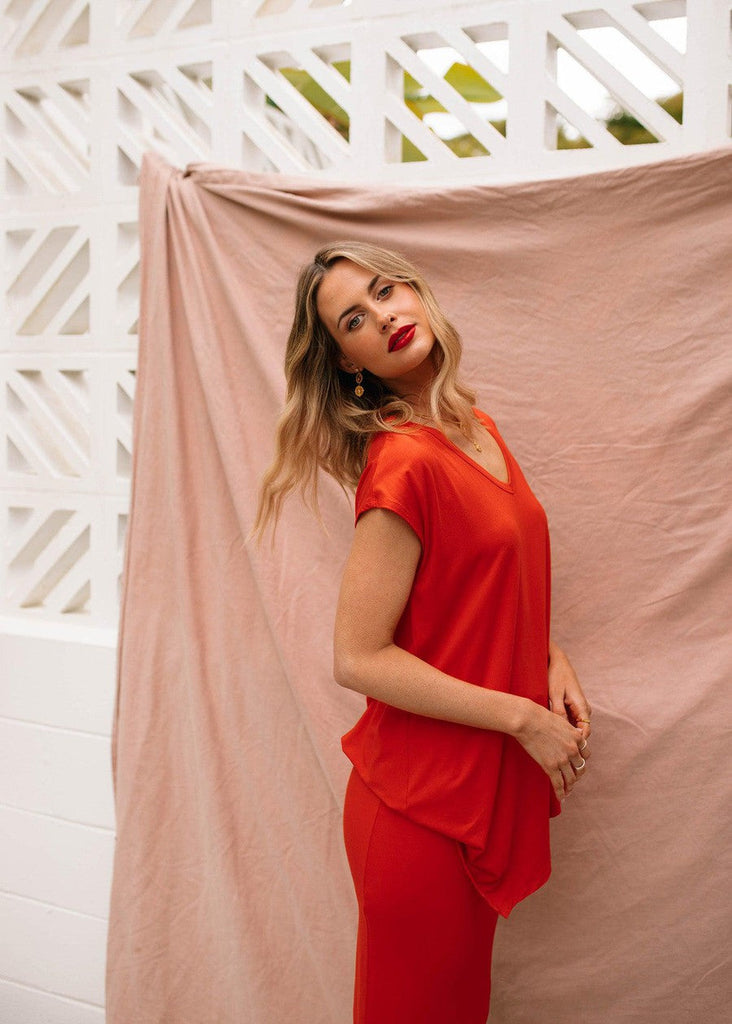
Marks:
<point>478,610</point>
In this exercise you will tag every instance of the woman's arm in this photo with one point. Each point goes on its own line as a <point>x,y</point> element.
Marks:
<point>376,585</point>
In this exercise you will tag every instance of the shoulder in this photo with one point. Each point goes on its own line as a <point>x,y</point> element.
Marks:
<point>397,444</point>
<point>397,475</point>
<point>485,418</point>
<point>395,454</point>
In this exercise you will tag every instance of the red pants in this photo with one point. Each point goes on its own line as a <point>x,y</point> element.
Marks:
<point>425,934</point>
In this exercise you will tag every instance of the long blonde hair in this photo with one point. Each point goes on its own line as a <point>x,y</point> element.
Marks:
<point>324,425</point>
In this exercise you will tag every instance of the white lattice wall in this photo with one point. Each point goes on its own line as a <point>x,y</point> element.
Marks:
<point>86,86</point>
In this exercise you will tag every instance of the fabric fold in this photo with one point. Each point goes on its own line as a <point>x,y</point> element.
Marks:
<point>595,314</point>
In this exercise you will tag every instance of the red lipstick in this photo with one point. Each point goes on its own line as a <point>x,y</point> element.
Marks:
<point>401,337</point>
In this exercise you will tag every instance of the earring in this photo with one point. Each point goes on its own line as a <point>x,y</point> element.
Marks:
<point>359,381</point>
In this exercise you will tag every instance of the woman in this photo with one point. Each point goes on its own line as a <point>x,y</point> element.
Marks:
<point>476,726</point>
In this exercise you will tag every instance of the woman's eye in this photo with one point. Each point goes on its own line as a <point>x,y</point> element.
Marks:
<point>354,321</point>
<point>385,290</point>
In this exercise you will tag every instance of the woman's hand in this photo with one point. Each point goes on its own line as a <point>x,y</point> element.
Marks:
<point>555,745</point>
<point>567,703</point>
<point>565,693</point>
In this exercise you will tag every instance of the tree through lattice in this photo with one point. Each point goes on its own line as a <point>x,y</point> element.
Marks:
<point>296,112</point>
<point>449,73</point>
<point>582,42</point>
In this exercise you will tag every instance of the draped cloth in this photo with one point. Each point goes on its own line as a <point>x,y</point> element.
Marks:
<point>595,313</point>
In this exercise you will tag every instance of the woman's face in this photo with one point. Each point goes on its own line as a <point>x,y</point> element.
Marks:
<point>379,325</point>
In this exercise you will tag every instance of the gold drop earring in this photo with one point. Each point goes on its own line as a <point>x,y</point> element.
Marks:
<point>359,384</point>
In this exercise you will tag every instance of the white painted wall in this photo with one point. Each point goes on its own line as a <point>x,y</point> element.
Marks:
<point>57,825</point>
<point>85,87</point>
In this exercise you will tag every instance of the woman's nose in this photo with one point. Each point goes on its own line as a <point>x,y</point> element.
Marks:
<point>387,319</point>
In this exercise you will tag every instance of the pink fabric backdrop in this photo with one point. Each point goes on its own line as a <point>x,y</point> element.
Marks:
<point>596,318</point>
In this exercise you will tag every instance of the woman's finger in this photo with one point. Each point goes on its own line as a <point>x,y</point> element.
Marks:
<point>568,776</point>
<point>557,780</point>
<point>583,723</point>
<point>556,702</point>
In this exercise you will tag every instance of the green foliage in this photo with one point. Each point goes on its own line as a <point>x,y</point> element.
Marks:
<point>631,132</point>
<point>471,86</point>
<point>316,95</point>
<point>474,89</point>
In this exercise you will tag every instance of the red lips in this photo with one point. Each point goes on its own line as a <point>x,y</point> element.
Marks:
<point>401,337</point>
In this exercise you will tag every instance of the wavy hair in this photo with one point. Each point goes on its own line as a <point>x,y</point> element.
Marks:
<point>324,425</point>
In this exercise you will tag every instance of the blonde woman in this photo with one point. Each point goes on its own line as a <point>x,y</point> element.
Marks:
<point>476,726</point>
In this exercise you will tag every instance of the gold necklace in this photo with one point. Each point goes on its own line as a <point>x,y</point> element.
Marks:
<point>469,438</point>
<point>465,434</point>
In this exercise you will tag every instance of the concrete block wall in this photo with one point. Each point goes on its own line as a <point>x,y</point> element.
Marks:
<point>57,826</point>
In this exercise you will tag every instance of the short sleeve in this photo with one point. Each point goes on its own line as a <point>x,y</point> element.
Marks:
<point>395,478</point>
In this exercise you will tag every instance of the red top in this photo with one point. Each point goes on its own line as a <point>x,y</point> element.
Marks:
<point>478,610</point>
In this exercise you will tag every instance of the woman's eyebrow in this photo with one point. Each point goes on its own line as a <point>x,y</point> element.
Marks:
<point>350,309</point>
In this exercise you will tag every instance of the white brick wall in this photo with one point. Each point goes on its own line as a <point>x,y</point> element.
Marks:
<point>57,827</point>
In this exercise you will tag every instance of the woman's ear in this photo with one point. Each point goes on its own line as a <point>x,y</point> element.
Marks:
<point>347,365</point>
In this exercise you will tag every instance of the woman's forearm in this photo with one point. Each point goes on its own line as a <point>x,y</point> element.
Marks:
<point>396,677</point>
